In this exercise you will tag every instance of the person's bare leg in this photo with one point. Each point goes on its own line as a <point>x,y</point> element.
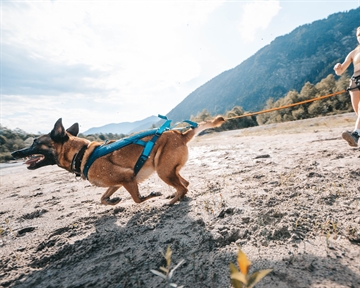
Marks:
<point>355,100</point>
<point>353,137</point>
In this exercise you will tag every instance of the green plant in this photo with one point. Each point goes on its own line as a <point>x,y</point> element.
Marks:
<point>328,239</point>
<point>1,236</point>
<point>8,226</point>
<point>241,279</point>
<point>167,272</point>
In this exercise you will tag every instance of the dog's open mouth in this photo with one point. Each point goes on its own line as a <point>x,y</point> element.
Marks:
<point>34,160</point>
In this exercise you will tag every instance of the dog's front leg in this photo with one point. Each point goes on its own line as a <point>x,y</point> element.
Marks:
<point>133,189</point>
<point>105,198</point>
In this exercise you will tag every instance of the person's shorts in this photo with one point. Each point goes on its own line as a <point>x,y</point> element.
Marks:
<point>355,82</point>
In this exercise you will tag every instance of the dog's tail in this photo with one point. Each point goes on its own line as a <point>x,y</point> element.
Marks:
<point>188,135</point>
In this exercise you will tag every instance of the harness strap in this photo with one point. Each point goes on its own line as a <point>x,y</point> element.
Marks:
<point>76,162</point>
<point>140,142</point>
<point>105,149</point>
<point>192,124</point>
<point>150,145</point>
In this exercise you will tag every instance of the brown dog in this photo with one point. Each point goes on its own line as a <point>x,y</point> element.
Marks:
<point>116,169</point>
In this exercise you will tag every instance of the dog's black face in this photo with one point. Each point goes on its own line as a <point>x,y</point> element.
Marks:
<point>40,153</point>
<point>43,150</point>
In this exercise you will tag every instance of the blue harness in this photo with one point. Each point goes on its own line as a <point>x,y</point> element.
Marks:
<point>135,139</point>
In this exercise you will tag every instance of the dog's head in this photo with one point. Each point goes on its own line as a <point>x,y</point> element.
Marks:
<point>44,150</point>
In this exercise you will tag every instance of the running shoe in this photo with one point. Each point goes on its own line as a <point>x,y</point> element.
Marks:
<point>351,137</point>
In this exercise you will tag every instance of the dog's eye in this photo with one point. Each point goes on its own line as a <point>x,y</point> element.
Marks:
<point>36,142</point>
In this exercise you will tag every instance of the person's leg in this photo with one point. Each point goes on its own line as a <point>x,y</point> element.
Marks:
<point>355,101</point>
<point>353,137</point>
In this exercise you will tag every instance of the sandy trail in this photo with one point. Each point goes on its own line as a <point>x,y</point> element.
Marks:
<point>288,194</point>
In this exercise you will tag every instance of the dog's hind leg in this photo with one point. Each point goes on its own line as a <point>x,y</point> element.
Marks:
<point>183,181</point>
<point>105,198</point>
<point>133,189</point>
<point>174,179</point>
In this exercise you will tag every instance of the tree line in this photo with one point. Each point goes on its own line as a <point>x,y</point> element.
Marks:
<point>329,106</point>
<point>11,140</point>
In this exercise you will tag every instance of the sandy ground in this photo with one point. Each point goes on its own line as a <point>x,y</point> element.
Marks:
<point>288,194</point>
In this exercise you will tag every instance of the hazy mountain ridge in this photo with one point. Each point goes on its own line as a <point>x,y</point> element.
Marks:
<point>307,54</point>
<point>124,127</point>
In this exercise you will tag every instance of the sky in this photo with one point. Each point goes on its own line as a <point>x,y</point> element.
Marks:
<point>101,62</point>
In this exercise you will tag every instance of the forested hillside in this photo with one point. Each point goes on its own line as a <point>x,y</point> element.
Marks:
<point>307,54</point>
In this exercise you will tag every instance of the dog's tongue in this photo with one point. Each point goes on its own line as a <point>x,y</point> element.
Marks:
<point>32,160</point>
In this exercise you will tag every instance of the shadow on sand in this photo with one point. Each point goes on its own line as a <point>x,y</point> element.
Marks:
<point>122,255</point>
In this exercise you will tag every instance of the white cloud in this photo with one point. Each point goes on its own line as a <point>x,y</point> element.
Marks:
<point>104,35</point>
<point>128,51</point>
<point>257,15</point>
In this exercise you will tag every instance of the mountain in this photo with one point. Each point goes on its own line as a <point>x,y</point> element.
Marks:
<point>125,127</point>
<point>307,54</point>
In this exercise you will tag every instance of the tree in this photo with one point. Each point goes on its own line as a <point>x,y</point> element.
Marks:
<point>299,113</point>
<point>326,85</point>
<point>308,91</point>
<point>316,108</point>
<point>201,116</point>
<point>237,122</point>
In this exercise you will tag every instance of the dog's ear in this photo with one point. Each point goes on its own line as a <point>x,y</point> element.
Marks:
<point>74,129</point>
<point>58,134</point>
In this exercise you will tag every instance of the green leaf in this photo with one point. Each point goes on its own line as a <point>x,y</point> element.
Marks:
<point>158,274</point>
<point>257,276</point>
<point>233,268</point>
<point>239,276</point>
<point>168,256</point>
<point>164,269</point>
<point>235,283</point>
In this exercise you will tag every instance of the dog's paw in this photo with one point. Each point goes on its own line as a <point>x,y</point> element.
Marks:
<point>112,201</point>
<point>167,205</point>
<point>115,200</point>
<point>155,194</point>
<point>171,196</point>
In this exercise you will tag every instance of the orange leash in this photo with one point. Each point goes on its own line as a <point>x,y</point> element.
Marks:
<point>287,106</point>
